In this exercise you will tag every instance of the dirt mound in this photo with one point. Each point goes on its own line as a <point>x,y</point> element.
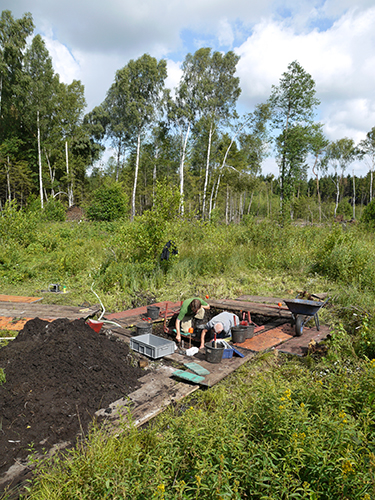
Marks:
<point>58,375</point>
<point>75,213</point>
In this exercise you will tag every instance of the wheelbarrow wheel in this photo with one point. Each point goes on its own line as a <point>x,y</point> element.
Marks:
<point>299,325</point>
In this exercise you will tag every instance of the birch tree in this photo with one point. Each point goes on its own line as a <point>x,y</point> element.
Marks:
<point>13,37</point>
<point>367,152</point>
<point>219,92</point>
<point>40,92</point>
<point>340,154</point>
<point>318,149</point>
<point>132,104</point>
<point>293,104</point>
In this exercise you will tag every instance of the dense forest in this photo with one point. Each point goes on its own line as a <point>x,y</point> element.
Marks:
<point>51,145</point>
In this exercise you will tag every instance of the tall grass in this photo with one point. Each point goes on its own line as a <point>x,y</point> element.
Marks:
<point>275,429</point>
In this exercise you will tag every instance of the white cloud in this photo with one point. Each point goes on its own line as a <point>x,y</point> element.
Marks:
<point>174,74</point>
<point>334,40</point>
<point>63,62</point>
<point>225,33</point>
<point>341,60</point>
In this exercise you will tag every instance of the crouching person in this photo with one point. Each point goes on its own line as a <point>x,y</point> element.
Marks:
<point>191,309</point>
<point>221,325</point>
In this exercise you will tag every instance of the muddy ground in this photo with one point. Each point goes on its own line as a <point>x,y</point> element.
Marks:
<point>58,375</point>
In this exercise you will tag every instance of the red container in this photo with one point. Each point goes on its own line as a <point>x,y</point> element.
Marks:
<point>95,325</point>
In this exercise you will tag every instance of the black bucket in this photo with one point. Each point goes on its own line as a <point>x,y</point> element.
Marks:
<point>239,334</point>
<point>250,331</point>
<point>153,312</point>
<point>144,328</point>
<point>214,354</point>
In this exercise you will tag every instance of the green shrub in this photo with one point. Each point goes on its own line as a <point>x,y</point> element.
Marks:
<point>109,203</point>
<point>18,225</point>
<point>2,376</point>
<point>345,209</point>
<point>54,211</point>
<point>345,257</point>
<point>368,214</point>
<point>142,241</point>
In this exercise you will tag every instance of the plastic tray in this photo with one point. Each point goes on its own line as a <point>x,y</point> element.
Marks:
<point>228,353</point>
<point>152,346</point>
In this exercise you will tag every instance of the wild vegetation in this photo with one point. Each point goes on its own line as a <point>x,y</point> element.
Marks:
<point>278,428</point>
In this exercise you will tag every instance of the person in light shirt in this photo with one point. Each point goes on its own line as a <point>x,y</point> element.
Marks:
<point>221,324</point>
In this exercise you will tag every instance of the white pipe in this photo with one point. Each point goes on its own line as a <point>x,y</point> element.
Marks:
<point>101,303</point>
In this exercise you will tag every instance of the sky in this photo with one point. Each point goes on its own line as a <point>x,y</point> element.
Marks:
<point>333,40</point>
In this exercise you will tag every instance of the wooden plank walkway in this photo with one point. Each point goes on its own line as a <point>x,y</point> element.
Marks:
<point>16,298</point>
<point>14,315</point>
<point>252,307</point>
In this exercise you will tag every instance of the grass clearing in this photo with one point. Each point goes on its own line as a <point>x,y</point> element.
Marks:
<point>279,427</point>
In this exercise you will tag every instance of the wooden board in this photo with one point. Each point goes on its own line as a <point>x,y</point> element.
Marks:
<point>13,324</point>
<point>188,376</point>
<point>252,307</point>
<point>196,368</point>
<point>259,299</point>
<point>19,313</point>
<point>158,391</point>
<point>299,346</point>
<point>125,316</point>
<point>218,371</point>
<point>16,298</point>
<point>268,339</point>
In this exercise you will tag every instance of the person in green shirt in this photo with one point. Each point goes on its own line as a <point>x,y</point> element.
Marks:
<point>191,309</point>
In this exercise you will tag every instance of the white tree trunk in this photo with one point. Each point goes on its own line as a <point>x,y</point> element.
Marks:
<point>69,177</point>
<point>8,182</point>
<point>135,176</point>
<point>353,195</point>
<point>182,162</point>
<point>154,174</point>
<point>371,176</point>
<point>51,174</point>
<point>227,206</point>
<point>207,170</point>
<point>211,198</point>
<point>337,194</point>
<point>250,203</point>
<point>40,165</point>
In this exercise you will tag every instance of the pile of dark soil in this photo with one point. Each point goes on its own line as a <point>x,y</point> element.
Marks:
<point>58,375</point>
<point>74,213</point>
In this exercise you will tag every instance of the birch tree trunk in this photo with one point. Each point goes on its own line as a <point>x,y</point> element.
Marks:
<point>337,194</point>
<point>154,175</point>
<point>211,198</point>
<point>317,188</point>
<point>135,176</point>
<point>182,162</point>
<point>8,182</point>
<point>227,206</point>
<point>371,176</point>
<point>40,165</point>
<point>250,203</point>
<point>70,180</point>
<point>51,173</point>
<point>207,169</point>
<point>353,195</point>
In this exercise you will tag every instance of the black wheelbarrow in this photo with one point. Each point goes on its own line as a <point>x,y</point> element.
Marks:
<point>303,310</point>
